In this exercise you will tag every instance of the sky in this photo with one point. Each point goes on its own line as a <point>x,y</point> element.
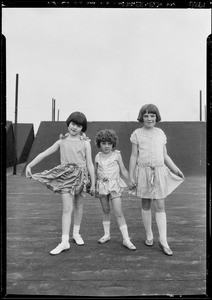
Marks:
<point>105,62</point>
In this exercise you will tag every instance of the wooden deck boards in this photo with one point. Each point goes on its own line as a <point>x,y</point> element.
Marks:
<point>34,228</point>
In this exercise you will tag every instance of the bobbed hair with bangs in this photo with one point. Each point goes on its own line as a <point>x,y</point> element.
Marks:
<point>106,135</point>
<point>79,119</point>
<point>150,109</point>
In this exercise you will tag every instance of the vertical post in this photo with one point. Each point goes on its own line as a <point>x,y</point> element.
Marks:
<point>205,113</point>
<point>58,114</point>
<point>200,100</point>
<point>53,109</point>
<point>15,128</point>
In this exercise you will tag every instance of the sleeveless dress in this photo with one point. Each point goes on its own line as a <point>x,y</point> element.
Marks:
<point>108,174</point>
<point>71,176</point>
<point>153,178</point>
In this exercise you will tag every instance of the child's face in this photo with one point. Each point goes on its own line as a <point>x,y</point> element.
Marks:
<point>149,120</point>
<point>74,129</point>
<point>106,147</point>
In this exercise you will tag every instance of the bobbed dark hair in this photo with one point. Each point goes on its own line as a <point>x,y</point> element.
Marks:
<point>151,109</point>
<point>79,119</point>
<point>106,135</point>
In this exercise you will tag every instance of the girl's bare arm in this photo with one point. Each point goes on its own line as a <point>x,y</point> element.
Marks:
<point>169,162</point>
<point>41,156</point>
<point>95,168</point>
<point>123,170</point>
<point>90,165</point>
<point>133,159</point>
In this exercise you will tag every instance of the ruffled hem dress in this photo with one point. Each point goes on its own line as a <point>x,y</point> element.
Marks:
<point>71,176</point>
<point>153,178</point>
<point>108,174</point>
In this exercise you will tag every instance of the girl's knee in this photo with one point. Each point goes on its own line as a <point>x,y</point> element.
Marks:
<point>118,213</point>
<point>78,203</point>
<point>159,209</point>
<point>159,205</point>
<point>67,209</point>
<point>105,205</point>
<point>106,210</point>
<point>146,204</point>
<point>67,200</point>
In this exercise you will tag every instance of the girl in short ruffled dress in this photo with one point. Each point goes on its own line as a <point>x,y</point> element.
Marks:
<point>70,178</point>
<point>109,184</point>
<point>150,175</point>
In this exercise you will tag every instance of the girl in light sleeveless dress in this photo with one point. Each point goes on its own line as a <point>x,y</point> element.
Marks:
<point>150,173</point>
<point>70,178</point>
<point>109,185</point>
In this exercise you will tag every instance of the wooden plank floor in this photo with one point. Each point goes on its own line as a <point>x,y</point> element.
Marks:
<point>34,228</point>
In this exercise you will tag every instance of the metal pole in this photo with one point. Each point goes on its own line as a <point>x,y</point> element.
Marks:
<point>53,109</point>
<point>15,128</point>
<point>200,111</point>
<point>58,114</point>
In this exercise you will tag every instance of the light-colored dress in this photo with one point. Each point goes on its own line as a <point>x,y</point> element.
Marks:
<point>108,174</point>
<point>153,178</point>
<point>71,176</point>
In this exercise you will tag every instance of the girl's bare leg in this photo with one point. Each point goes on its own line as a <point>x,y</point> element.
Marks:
<point>117,207</point>
<point>78,210</point>
<point>147,220</point>
<point>67,200</point>
<point>106,219</point>
<point>105,208</point>
<point>78,213</point>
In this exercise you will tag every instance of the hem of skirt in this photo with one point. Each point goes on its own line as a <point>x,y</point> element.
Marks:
<point>83,194</point>
<point>141,195</point>
<point>70,191</point>
<point>108,193</point>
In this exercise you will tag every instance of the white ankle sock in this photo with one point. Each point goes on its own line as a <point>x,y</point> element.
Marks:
<point>76,229</point>
<point>106,226</point>
<point>124,231</point>
<point>65,238</point>
<point>147,221</point>
<point>162,227</point>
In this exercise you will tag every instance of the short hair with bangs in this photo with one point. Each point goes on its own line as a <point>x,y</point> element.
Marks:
<point>79,119</point>
<point>151,109</point>
<point>106,135</point>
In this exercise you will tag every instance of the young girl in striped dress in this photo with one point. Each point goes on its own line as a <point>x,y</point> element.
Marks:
<point>70,178</point>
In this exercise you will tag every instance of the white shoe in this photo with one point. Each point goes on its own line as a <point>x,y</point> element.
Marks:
<point>129,245</point>
<point>61,247</point>
<point>78,240</point>
<point>104,239</point>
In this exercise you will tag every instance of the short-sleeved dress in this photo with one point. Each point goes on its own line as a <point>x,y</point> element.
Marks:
<point>71,176</point>
<point>108,174</point>
<point>153,178</point>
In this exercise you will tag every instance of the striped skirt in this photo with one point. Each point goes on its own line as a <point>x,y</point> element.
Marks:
<point>63,179</point>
